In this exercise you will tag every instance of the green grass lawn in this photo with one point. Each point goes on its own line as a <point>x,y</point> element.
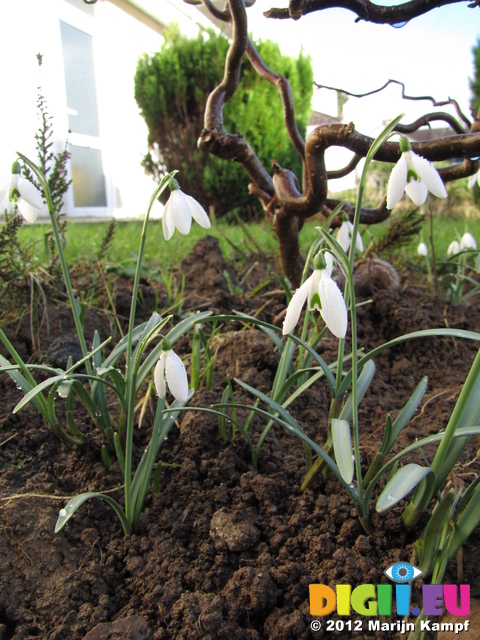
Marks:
<point>84,240</point>
<point>238,242</point>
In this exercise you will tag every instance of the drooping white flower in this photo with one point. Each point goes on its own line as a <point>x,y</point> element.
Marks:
<point>344,237</point>
<point>415,176</point>
<point>320,292</point>
<point>329,262</point>
<point>422,249</point>
<point>20,192</point>
<point>473,180</point>
<point>453,248</point>
<point>468,241</point>
<point>179,211</point>
<point>170,371</point>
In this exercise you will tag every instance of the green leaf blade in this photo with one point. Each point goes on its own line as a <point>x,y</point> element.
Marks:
<point>342,446</point>
<point>407,478</point>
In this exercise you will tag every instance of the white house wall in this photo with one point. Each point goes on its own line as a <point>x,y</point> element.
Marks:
<point>31,27</point>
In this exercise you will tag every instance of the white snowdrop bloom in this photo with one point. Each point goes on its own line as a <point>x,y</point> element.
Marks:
<point>422,249</point>
<point>170,371</point>
<point>329,262</point>
<point>453,248</point>
<point>19,191</point>
<point>321,293</point>
<point>415,176</point>
<point>473,180</point>
<point>468,241</point>
<point>344,237</point>
<point>178,214</point>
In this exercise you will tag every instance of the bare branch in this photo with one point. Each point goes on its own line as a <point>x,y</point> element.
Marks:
<point>425,121</point>
<point>465,145</point>
<point>405,96</point>
<point>364,9</point>
<point>341,173</point>
<point>367,215</point>
<point>265,72</point>
<point>315,196</point>
<point>221,14</point>
<point>285,91</point>
<point>214,138</point>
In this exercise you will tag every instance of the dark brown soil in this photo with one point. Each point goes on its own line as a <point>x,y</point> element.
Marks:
<point>224,550</point>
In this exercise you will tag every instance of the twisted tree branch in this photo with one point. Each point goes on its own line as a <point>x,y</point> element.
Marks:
<point>285,91</point>
<point>364,9</point>
<point>213,137</point>
<point>281,196</point>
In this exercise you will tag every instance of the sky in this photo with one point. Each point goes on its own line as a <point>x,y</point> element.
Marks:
<point>431,55</point>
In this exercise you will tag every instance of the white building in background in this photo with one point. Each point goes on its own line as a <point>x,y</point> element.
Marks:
<point>90,52</point>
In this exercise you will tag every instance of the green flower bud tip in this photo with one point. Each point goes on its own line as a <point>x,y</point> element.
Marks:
<point>173,184</point>
<point>405,144</point>
<point>166,346</point>
<point>319,261</point>
<point>16,169</point>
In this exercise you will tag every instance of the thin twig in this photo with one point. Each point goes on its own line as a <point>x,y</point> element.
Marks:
<point>405,96</point>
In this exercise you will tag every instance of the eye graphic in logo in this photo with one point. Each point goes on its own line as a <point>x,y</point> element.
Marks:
<point>402,572</point>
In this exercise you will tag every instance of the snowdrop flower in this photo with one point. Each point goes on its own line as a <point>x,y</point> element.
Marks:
<point>170,371</point>
<point>329,262</point>
<point>179,211</point>
<point>473,180</point>
<point>20,192</point>
<point>468,241</point>
<point>344,236</point>
<point>414,175</point>
<point>321,293</point>
<point>453,248</point>
<point>422,249</point>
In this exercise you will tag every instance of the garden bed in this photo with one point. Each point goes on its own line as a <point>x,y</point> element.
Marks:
<point>224,550</point>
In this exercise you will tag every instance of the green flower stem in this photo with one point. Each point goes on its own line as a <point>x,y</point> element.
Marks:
<point>380,140</point>
<point>349,293</point>
<point>61,255</point>
<point>130,371</point>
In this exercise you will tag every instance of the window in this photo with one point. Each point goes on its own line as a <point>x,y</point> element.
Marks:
<point>88,178</point>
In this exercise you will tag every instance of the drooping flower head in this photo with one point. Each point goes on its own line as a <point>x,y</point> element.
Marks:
<point>415,176</point>
<point>468,241</point>
<point>422,249</point>
<point>179,211</point>
<point>170,371</point>
<point>344,236</point>
<point>16,191</point>
<point>473,180</point>
<point>320,292</point>
<point>453,248</point>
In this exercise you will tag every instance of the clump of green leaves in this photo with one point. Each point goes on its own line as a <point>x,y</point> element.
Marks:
<point>140,351</point>
<point>349,378</point>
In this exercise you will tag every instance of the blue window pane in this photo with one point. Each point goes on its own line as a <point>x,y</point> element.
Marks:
<point>79,80</point>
